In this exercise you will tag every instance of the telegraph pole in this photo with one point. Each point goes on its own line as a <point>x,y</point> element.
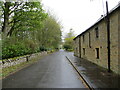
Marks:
<point>108,35</point>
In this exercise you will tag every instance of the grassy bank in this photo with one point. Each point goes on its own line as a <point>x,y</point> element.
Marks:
<point>12,69</point>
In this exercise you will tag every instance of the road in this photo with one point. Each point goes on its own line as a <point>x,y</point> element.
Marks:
<point>52,71</point>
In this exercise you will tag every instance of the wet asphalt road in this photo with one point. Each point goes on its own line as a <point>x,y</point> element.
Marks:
<point>52,71</point>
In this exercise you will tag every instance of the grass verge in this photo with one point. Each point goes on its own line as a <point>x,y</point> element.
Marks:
<point>12,69</point>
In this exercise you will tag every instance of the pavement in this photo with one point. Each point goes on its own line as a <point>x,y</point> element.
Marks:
<point>96,76</point>
<point>52,71</point>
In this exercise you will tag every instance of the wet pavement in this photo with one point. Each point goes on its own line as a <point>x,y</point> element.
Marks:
<point>95,75</point>
<point>52,71</point>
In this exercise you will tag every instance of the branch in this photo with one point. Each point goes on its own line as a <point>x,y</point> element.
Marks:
<point>10,31</point>
<point>15,7</point>
<point>15,19</point>
<point>3,7</point>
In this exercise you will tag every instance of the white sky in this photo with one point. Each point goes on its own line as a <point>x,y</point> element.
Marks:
<point>78,14</point>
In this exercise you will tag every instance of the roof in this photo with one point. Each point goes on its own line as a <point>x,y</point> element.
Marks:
<point>99,20</point>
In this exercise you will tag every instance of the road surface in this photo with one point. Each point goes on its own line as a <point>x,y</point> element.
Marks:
<point>52,71</point>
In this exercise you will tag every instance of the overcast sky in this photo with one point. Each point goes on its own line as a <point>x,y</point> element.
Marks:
<point>78,14</point>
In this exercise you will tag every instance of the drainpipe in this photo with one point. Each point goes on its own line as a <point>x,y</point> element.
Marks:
<point>80,46</point>
<point>108,36</point>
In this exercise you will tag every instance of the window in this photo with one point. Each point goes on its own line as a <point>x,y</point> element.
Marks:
<point>83,38</point>
<point>97,53</point>
<point>96,32</point>
<point>83,51</point>
<point>76,49</point>
<point>89,40</point>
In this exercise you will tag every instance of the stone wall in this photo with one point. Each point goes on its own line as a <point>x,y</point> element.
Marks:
<point>114,42</point>
<point>76,47</point>
<point>119,42</point>
<point>17,60</point>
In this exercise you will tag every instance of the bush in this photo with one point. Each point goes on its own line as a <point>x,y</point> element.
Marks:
<point>70,50</point>
<point>20,48</point>
<point>67,47</point>
<point>56,48</point>
<point>42,48</point>
<point>14,50</point>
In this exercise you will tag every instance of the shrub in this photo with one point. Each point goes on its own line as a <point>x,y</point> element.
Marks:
<point>67,47</point>
<point>42,48</point>
<point>14,50</point>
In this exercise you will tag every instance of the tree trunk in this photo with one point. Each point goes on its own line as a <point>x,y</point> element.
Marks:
<point>5,26</point>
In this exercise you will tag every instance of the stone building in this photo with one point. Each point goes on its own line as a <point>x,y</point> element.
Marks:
<point>92,44</point>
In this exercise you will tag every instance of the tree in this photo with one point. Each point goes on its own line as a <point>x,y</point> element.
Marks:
<point>51,32</point>
<point>27,29</point>
<point>68,44</point>
<point>70,34</point>
<point>21,15</point>
<point>20,21</point>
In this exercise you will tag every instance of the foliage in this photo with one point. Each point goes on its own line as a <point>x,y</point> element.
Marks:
<point>50,33</point>
<point>21,16</point>
<point>68,44</point>
<point>42,48</point>
<point>26,29</point>
<point>14,50</point>
<point>67,47</point>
